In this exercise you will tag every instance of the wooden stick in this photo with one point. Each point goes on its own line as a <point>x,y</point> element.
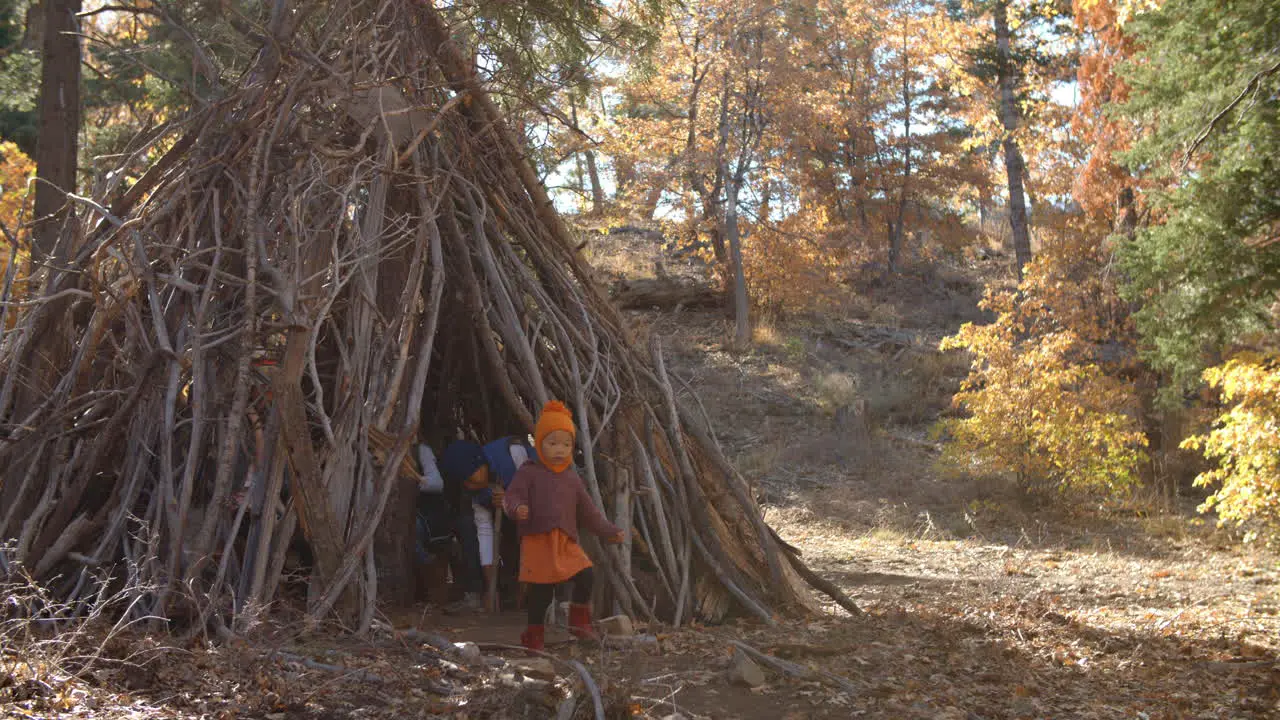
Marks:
<point>797,671</point>
<point>491,591</point>
<point>822,584</point>
<point>361,675</point>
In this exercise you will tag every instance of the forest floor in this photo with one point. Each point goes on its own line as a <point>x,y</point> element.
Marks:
<point>979,601</point>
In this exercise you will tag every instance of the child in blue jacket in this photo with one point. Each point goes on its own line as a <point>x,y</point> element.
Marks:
<point>485,471</point>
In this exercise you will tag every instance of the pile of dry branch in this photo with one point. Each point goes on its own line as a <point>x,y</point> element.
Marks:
<point>349,245</point>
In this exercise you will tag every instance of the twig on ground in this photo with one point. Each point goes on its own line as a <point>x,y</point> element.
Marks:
<point>317,665</point>
<point>795,670</point>
<point>574,665</point>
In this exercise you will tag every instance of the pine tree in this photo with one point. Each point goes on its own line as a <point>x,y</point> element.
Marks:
<point>1206,84</point>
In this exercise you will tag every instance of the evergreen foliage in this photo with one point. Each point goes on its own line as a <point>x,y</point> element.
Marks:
<point>19,79</point>
<point>1205,88</point>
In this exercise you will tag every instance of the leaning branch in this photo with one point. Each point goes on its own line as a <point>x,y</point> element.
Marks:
<point>1212,127</point>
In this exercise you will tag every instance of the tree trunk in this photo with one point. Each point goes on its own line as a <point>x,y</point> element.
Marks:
<point>708,197</point>
<point>742,322</point>
<point>597,192</point>
<point>580,173</point>
<point>984,207</point>
<point>59,123</point>
<point>1014,168</point>
<point>854,164</point>
<point>893,234</point>
<point>766,200</point>
<point>711,200</point>
<point>898,229</point>
<point>322,527</point>
<point>666,293</point>
<point>1128,225</point>
<point>393,544</point>
<point>651,200</point>
<point>1013,165</point>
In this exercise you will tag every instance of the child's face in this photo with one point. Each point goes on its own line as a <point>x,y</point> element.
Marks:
<point>557,447</point>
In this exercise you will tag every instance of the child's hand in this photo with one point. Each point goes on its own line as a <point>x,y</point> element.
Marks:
<point>498,494</point>
<point>618,537</point>
<point>522,512</point>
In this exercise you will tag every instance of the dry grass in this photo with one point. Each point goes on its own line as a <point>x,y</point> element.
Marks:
<point>636,252</point>
<point>835,389</point>
<point>885,314</point>
<point>858,306</point>
<point>766,333</point>
<point>918,388</point>
<point>762,460</point>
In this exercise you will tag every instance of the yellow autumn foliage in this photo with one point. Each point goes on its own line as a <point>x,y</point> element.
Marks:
<point>16,169</point>
<point>1039,408</point>
<point>1245,443</point>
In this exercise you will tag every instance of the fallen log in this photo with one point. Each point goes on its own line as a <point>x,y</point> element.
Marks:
<point>665,294</point>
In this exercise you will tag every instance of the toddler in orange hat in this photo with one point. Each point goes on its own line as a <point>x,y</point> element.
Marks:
<point>546,498</point>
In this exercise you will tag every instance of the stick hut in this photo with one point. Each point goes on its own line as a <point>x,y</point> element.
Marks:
<point>241,347</point>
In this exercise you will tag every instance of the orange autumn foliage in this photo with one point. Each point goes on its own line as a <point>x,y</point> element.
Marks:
<point>16,171</point>
<point>1101,180</point>
<point>856,137</point>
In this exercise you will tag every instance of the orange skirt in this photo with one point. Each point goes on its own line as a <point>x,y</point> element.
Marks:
<point>551,558</point>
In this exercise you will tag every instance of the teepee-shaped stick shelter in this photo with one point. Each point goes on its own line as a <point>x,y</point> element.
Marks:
<point>244,345</point>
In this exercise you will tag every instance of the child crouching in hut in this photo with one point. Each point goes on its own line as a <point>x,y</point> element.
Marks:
<point>547,499</point>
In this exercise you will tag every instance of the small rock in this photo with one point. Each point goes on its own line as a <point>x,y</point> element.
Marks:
<point>744,671</point>
<point>535,667</point>
<point>674,716</point>
<point>536,684</point>
<point>617,625</point>
<point>468,651</point>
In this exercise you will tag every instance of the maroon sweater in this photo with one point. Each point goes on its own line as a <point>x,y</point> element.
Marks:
<point>556,501</point>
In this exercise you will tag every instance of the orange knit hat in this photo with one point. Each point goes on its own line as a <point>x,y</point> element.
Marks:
<point>554,416</point>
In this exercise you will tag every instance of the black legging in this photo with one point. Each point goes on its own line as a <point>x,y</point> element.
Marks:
<point>541,595</point>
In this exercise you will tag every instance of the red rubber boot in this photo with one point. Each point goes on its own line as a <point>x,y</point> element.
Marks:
<point>533,637</point>
<point>580,622</point>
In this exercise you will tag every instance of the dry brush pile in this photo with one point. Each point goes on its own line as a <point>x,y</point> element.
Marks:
<point>244,344</point>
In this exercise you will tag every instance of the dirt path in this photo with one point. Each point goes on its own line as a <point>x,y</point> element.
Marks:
<point>979,604</point>
<point>969,629</point>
